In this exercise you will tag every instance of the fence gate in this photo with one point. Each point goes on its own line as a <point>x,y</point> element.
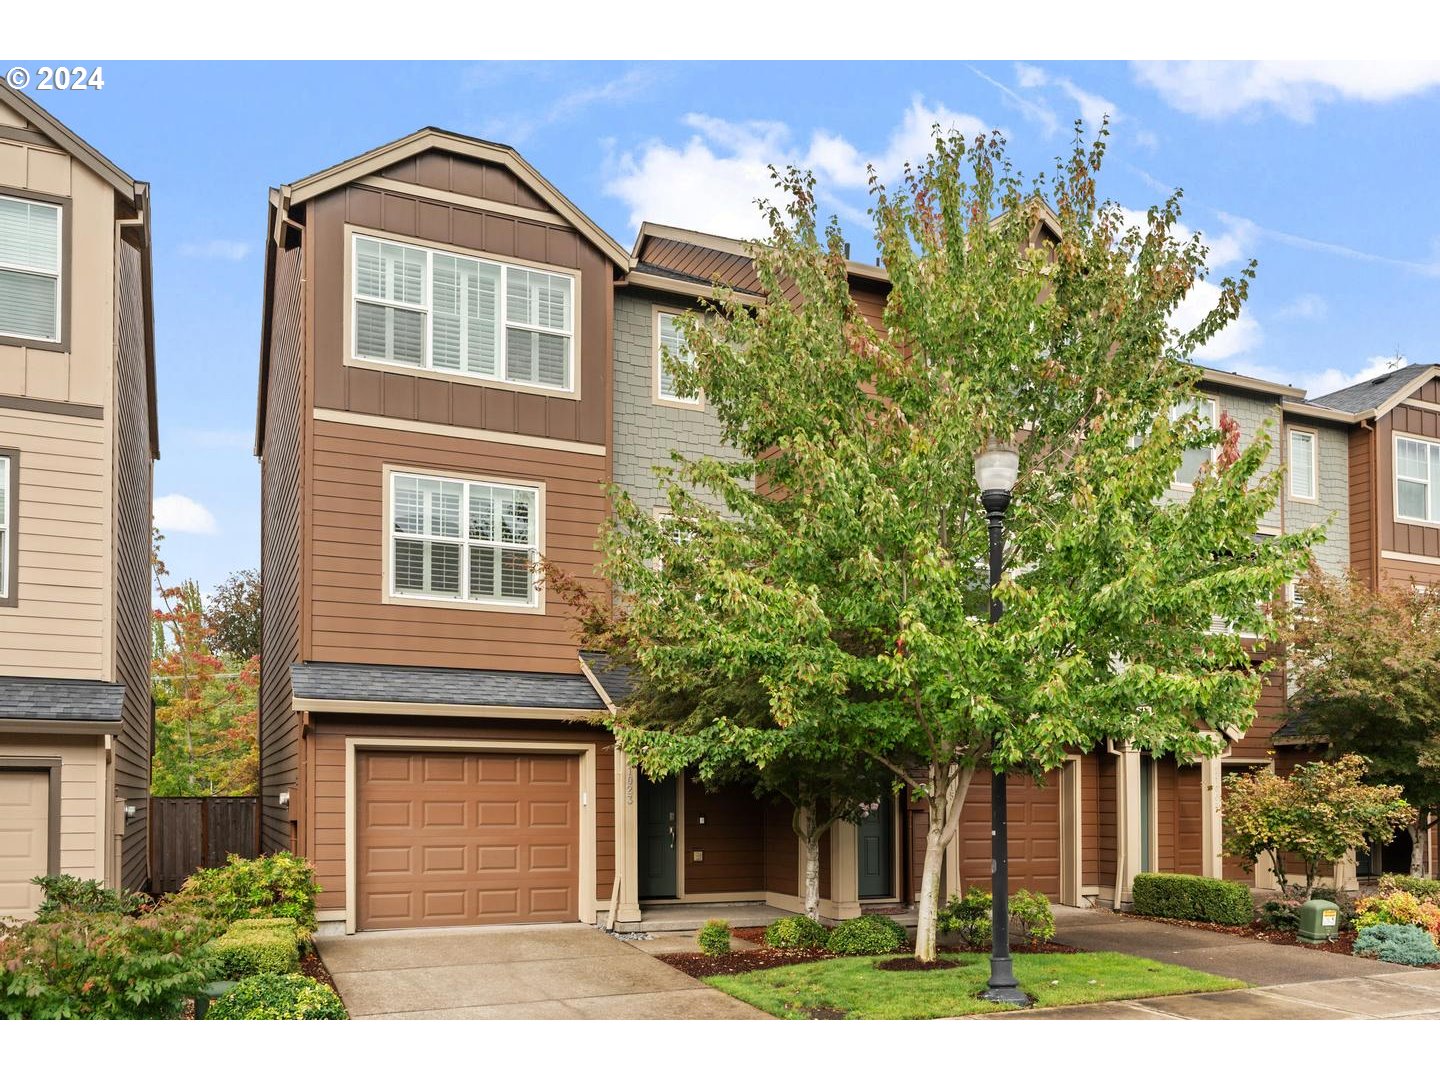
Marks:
<point>188,834</point>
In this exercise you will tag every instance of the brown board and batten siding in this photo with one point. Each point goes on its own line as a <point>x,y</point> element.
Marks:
<point>280,468</point>
<point>1363,556</point>
<point>1421,419</point>
<point>133,476</point>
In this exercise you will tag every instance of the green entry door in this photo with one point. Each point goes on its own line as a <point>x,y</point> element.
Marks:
<point>877,838</point>
<point>658,836</point>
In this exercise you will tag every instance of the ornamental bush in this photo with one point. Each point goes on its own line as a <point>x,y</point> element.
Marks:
<point>66,895</point>
<point>257,946</point>
<point>1418,887</point>
<point>796,932</point>
<point>1397,944</point>
<point>969,916</point>
<point>1280,914</point>
<point>1189,896</point>
<point>714,937</point>
<point>273,886</point>
<point>104,966</point>
<point>867,935</point>
<point>1398,909</point>
<point>278,997</point>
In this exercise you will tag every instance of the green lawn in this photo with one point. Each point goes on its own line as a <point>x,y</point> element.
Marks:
<point>855,988</point>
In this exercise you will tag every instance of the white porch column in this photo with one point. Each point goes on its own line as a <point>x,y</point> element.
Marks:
<point>627,840</point>
<point>1127,824</point>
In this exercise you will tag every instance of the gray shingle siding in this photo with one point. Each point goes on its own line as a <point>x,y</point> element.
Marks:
<point>444,686</point>
<point>60,699</point>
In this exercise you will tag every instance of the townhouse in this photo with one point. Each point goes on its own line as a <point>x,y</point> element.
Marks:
<point>454,360</point>
<point>77,448</point>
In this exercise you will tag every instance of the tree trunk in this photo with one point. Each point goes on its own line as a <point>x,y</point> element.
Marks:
<point>1418,838</point>
<point>944,797</point>
<point>810,829</point>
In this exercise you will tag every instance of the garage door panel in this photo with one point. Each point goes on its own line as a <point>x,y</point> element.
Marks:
<point>480,842</point>
<point>1033,823</point>
<point>24,839</point>
<point>380,767</point>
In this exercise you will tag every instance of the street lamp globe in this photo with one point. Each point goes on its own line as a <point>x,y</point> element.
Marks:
<point>997,467</point>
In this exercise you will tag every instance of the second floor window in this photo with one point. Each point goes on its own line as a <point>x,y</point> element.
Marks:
<point>670,347</point>
<point>29,269</point>
<point>1302,464</point>
<point>423,308</point>
<point>1195,459</point>
<point>456,539</point>
<point>1417,470</point>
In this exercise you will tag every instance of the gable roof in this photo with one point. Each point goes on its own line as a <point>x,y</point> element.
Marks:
<point>1382,393</point>
<point>71,143</point>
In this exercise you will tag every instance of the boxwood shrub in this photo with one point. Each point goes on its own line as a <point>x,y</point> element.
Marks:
<point>278,997</point>
<point>257,946</point>
<point>714,938</point>
<point>796,932</point>
<point>1188,896</point>
<point>1405,944</point>
<point>867,935</point>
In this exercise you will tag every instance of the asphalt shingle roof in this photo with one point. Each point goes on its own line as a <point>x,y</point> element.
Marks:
<point>444,686</point>
<point>1371,393</point>
<point>615,678</point>
<point>60,699</point>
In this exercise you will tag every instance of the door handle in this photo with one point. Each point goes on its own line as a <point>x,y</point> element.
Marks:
<point>672,837</point>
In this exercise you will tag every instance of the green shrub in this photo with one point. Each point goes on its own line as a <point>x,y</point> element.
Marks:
<point>1421,888</point>
<point>278,997</point>
<point>1397,944</point>
<point>257,946</point>
<point>714,937</point>
<point>1187,896</point>
<point>796,932</point>
<point>867,935</point>
<point>273,886</point>
<point>71,895</point>
<point>104,967</point>
<point>1280,914</point>
<point>1031,914</point>
<point>969,916</point>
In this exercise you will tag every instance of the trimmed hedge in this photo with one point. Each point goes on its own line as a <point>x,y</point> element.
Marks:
<point>278,997</point>
<point>256,947</point>
<point>867,935</point>
<point>1188,896</point>
<point>796,932</point>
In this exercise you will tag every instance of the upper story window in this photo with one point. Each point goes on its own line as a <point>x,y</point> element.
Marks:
<point>464,540</point>
<point>1303,464</point>
<point>30,243</point>
<point>425,308</point>
<point>1198,457</point>
<point>670,344</point>
<point>1417,473</point>
<point>7,526</point>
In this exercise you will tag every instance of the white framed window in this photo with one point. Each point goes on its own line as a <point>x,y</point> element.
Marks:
<point>430,309</point>
<point>462,539</point>
<point>1195,459</point>
<point>1304,465</point>
<point>30,271</point>
<point>1417,470</point>
<point>7,528</point>
<point>670,342</point>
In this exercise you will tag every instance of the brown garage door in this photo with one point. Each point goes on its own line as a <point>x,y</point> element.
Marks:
<point>1033,816</point>
<point>454,839</point>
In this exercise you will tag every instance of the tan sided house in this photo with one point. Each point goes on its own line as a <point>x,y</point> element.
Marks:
<point>77,449</point>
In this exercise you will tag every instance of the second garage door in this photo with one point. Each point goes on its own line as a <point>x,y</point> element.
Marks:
<point>24,839</point>
<point>456,839</point>
<point>1033,824</point>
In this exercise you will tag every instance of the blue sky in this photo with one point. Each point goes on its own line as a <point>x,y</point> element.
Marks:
<point>1320,171</point>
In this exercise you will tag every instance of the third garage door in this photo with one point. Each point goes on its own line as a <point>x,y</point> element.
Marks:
<point>457,839</point>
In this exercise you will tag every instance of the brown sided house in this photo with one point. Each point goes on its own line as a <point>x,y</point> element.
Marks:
<point>77,447</point>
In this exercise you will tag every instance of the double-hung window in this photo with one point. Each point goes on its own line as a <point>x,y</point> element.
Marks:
<point>1417,473</point>
<point>670,346</point>
<point>1302,464</point>
<point>30,253</point>
<point>436,310</point>
<point>464,540</point>
<point>1196,458</point>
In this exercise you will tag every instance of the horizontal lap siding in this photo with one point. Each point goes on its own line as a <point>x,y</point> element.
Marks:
<point>326,829</point>
<point>732,840</point>
<point>349,622</point>
<point>1107,833</point>
<point>782,868</point>
<point>1090,820</point>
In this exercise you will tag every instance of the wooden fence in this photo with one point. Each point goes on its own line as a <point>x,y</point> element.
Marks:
<point>188,834</point>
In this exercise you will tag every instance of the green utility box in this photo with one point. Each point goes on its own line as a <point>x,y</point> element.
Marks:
<point>1319,921</point>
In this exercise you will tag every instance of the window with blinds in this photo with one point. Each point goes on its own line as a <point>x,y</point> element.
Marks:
<point>1417,468</point>
<point>670,351</point>
<point>454,539</point>
<point>29,269</point>
<point>424,308</point>
<point>1302,465</point>
<point>6,529</point>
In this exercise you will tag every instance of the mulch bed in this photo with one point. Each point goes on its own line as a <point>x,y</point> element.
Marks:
<point>909,963</point>
<point>312,965</point>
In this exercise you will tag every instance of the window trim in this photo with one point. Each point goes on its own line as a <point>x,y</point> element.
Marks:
<point>349,359</point>
<point>388,594</point>
<point>656,396</point>
<point>1188,485</point>
<point>1395,479</point>
<point>10,549</point>
<point>65,205</point>
<point>1314,436</point>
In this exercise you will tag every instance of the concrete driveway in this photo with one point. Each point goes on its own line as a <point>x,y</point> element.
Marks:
<point>514,973</point>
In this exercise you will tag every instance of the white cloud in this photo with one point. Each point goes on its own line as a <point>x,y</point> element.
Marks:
<point>180,513</point>
<point>1233,244</point>
<point>521,126</point>
<point>1332,379</point>
<point>1091,107</point>
<point>1241,335</point>
<point>228,250</point>
<point>711,182</point>
<point>1293,88</point>
<point>1308,306</point>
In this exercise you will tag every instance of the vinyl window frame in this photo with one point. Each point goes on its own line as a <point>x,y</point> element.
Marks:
<point>61,343</point>
<point>657,396</point>
<point>425,369</point>
<point>9,528</point>
<point>1430,482</point>
<point>1314,437</point>
<point>1206,399</point>
<point>535,606</point>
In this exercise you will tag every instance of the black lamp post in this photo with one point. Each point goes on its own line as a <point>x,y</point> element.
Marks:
<point>996,468</point>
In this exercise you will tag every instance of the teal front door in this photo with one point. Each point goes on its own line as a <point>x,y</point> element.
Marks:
<point>658,837</point>
<point>877,837</point>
